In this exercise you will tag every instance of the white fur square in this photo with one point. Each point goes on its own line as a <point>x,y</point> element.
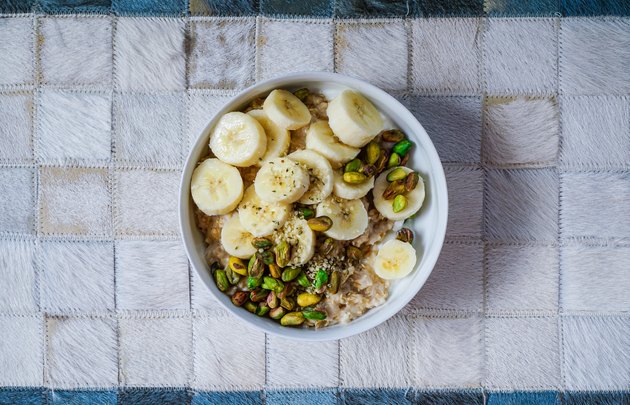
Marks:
<point>373,51</point>
<point>522,278</point>
<point>453,123</point>
<point>76,50</point>
<point>290,46</point>
<point>447,352</point>
<point>146,202</point>
<point>286,360</point>
<point>522,353</point>
<point>445,55</point>
<point>465,188</point>
<point>596,355</point>
<point>82,352</point>
<point>520,55</point>
<point>74,200</point>
<point>17,276</point>
<point>149,129</point>
<point>202,105</point>
<point>17,200</point>
<point>73,126</point>
<point>596,204</point>
<point>595,278</point>
<point>595,132</point>
<point>151,275</point>
<point>388,346</point>
<point>16,47</point>
<point>154,351</point>
<point>77,276</point>
<point>521,131</point>
<point>16,127</point>
<point>594,56</point>
<point>229,355</point>
<point>200,297</point>
<point>21,361</point>
<point>456,282</point>
<point>522,205</point>
<point>222,53</point>
<point>149,53</point>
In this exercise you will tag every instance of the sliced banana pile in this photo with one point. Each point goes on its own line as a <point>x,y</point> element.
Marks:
<point>343,160</point>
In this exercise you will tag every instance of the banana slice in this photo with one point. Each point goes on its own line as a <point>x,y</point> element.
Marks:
<point>350,191</point>
<point>216,187</point>
<point>238,139</point>
<point>395,259</point>
<point>281,180</point>
<point>261,218</point>
<point>286,110</point>
<point>278,139</point>
<point>354,119</point>
<point>235,239</point>
<point>300,236</point>
<point>320,138</point>
<point>415,198</point>
<point>321,175</point>
<point>349,217</point>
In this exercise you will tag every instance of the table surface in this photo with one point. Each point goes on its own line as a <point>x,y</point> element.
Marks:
<point>526,102</point>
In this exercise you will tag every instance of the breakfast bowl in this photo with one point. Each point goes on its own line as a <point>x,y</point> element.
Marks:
<point>421,233</point>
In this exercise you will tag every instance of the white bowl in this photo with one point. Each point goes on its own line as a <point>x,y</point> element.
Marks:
<point>429,226</point>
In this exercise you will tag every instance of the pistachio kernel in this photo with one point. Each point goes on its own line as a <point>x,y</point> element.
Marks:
<point>400,203</point>
<point>405,235</point>
<point>353,166</point>
<point>411,181</point>
<point>354,177</point>
<point>396,174</point>
<point>394,160</point>
<point>320,224</point>
<point>393,189</point>
<point>392,135</point>
<point>372,152</point>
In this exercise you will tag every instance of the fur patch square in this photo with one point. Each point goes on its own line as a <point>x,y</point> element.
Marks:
<point>596,204</point>
<point>381,61</point>
<point>21,360</point>
<point>146,202</point>
<point>16,48</point>
<point>594,8</point>
<point>312,8</point>
<point>77,276</point>
<point>522,205</point>
<point>595,278</point>
<point>454,8</point>
<point>22,395</point>
<point>357,355</point>
<point>82,352</point>
<point>150,396</point>
<point>371,8</point>
<point>155,352</point>
<point>445,55</point>
<point>289,46</point>
<point>75,6</point>
<point>224,361</point>
<point>149,129</point>
<point>76,50</point>
<point>520,55</point>
<point>150,7</point>
<point>596,355</point>
<point>453,123</point>
<point>17,276</point>
<point>73,126</point>
<point>448,352</point>
<point>224,8</point>
<point>200,296</point>
<point>16,127</point>
<point>456,283</point>
<point>222,53</point>
<point>202,106</point>
<point>512,343</point>
<point>16,200</point>
<point>465,186</point>
<point>521,130</point>
<point>510,8</point>
<point>595,132</point>
<point>522,278</point>
<point>83,397</point>
<point>594,56</point>
<point>16,6</point>
<point>319,396</point>
<point>525,397</point>
<point>74,200</point>
<point>151,275</point>
<point>286,360</point>
<point>149,54</point>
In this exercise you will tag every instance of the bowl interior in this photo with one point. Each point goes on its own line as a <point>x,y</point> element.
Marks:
<point>429,225</point>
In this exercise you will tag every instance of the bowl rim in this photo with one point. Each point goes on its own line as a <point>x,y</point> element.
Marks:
<point>430,256</point>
